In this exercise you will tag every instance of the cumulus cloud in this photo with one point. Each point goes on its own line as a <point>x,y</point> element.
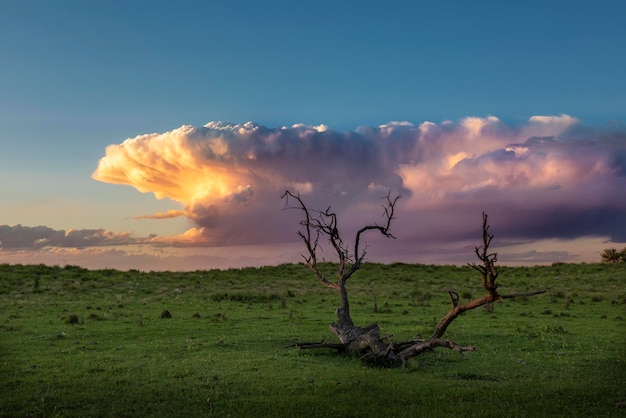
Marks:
<point>551,177</point>
<point>229,177</point>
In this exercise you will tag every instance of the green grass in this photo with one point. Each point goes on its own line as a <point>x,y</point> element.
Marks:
<point>222,353</point>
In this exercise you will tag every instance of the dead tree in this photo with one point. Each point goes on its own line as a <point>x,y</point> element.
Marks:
<point>489,273</point>
<point>318,224</point>
<point>366,341</point>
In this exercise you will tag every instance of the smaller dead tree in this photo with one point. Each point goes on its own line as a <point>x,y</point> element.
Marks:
<point>366,341</point>
<point>489,273</point>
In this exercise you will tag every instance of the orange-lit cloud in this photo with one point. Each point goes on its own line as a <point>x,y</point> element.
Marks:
<point>539,178</point>
<point>162,215</point>
<point>191,237</point>
<point>229,178</point>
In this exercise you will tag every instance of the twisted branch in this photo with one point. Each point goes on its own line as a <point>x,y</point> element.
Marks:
<point>326,224</point>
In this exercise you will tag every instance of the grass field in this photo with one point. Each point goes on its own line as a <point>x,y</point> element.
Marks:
<point>89,343</point>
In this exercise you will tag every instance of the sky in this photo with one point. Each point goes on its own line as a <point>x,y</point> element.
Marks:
<point>159,135</point>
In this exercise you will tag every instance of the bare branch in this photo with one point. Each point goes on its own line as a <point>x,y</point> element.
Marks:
<point>521,294</point>
<point>326,224</point>
<point>388,212</point>
<point>307,346</point>
<point>429,345</point>
<point>454,297</point>
<point>488,268</point>
<point>310,236</point>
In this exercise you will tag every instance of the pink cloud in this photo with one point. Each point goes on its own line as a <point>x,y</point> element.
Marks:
<point>228,178</point>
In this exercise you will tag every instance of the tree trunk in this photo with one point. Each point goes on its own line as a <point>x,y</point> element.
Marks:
<point>355,338</point>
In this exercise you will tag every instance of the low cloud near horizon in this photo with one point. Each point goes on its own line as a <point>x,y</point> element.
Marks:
<point>550,178</point>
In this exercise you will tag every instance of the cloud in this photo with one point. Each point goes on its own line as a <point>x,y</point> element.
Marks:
<point>18,236</point>
<point>162,215</point>
<point>25,237</point>
<point>551,177</point>
<point>190,238</point>
<point>229,177</point>
<point>553,184</point>
<point>551,180</point>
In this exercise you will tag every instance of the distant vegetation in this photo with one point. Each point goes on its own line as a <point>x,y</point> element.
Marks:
<point>77,342</point>
<point>612,256</point>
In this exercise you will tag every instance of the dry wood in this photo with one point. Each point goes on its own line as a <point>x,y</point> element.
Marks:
<point>366,341</point>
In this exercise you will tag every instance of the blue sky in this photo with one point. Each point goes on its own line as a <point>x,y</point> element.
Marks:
<point>79,76</point>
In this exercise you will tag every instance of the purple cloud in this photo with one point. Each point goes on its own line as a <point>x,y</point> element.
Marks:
<point>552,177</point>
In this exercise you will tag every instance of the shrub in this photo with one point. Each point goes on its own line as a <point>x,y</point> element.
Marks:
<point>612,256</point>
